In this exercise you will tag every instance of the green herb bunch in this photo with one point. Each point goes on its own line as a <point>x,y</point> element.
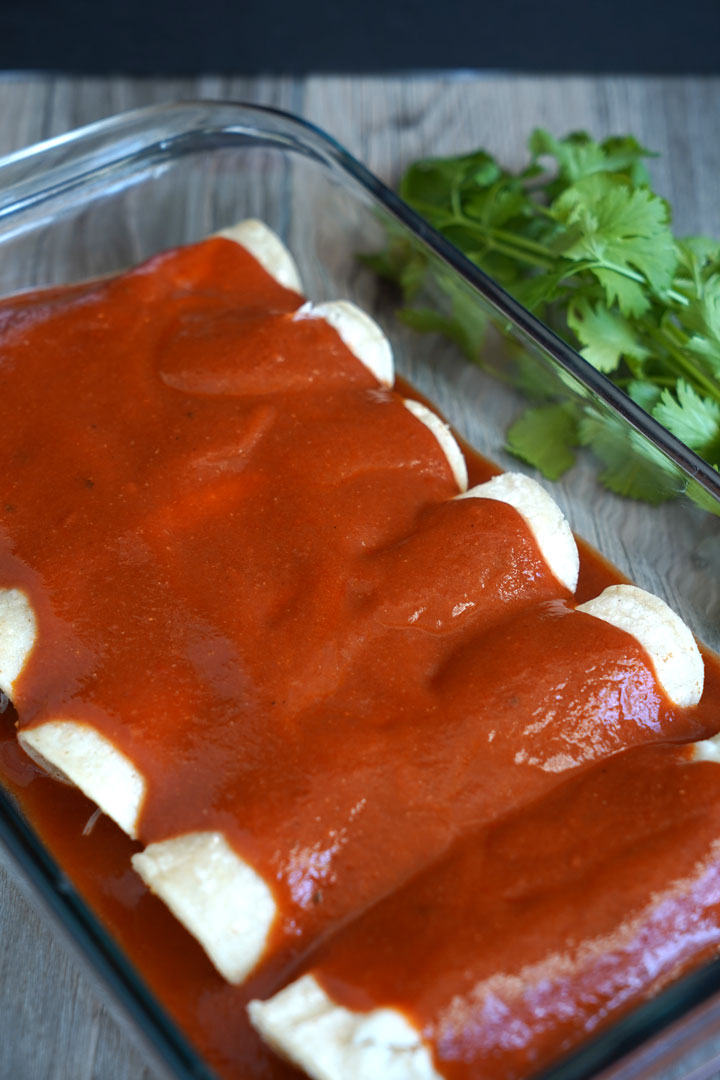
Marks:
<point>587,245</point>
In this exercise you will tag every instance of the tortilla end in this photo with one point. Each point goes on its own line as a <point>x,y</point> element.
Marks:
<point>329,1042</point>
<point>706,750</point>
<point>80,755</point>
<point>267,247</point>
<point>445,438</point>
<point>662,633</point>
<point>18,634</point>
<point>216,895</point>
<point>543,517</point>
<point>359,332</point>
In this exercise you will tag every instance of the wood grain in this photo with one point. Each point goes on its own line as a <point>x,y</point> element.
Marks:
<point>53,1023</point>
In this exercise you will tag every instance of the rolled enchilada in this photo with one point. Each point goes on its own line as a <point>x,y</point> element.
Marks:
<point>528,937</point>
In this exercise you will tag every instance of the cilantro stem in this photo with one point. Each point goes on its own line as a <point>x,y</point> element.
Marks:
<point>687,368</point>
<point>519,247</point>
<point>516,247</point>
<point>634,275</point>
<point>508,243</point>
<point>523,242</point>
<point>512,251</point>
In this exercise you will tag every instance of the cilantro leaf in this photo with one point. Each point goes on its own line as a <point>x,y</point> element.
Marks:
<point>578,155</point>
<point>644,394</point>
<point>698,257</point>
<point>434,181</point>
<point>535,292</point>
<point>703,498</point>
<point>399,262</point>
<point>696,421</point>
<point>632,466</point>
<point>606,337</point>
<point>629,295</point>
<point>545,437</point>
<point>703,317</point>
<point>617,228</point>
<point>624,154</point>
<point>465,333</point>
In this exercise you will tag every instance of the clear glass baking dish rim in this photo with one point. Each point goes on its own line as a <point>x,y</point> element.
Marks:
<point>105,152</point>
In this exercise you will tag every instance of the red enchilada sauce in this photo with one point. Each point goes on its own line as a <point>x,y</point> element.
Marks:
<point>533,933</point>
<point>247,573</point>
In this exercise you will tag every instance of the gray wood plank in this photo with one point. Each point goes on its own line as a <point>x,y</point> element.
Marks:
<point>53,1023</point>
<point>22,112</point>
<point>389,122</point>
<point>40,107</point>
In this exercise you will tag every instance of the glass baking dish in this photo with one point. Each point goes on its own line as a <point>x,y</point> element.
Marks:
<point>98,200</point>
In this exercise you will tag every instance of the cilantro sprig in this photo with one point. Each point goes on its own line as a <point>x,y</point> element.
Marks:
<point>581,239</point>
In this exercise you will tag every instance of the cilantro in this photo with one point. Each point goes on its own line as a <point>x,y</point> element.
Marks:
<point>545,437</point>
<point>693,419</point>
<point>645,394</point>
<point>617,231</point>
<point>606,337</point>
<point>578,155</point>
<point>581,239</point>
<point>631,465</point>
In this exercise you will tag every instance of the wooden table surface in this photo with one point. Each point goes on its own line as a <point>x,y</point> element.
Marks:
<point>53,1024</point>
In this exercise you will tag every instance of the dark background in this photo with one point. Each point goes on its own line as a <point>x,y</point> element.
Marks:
<point>294,37</point>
